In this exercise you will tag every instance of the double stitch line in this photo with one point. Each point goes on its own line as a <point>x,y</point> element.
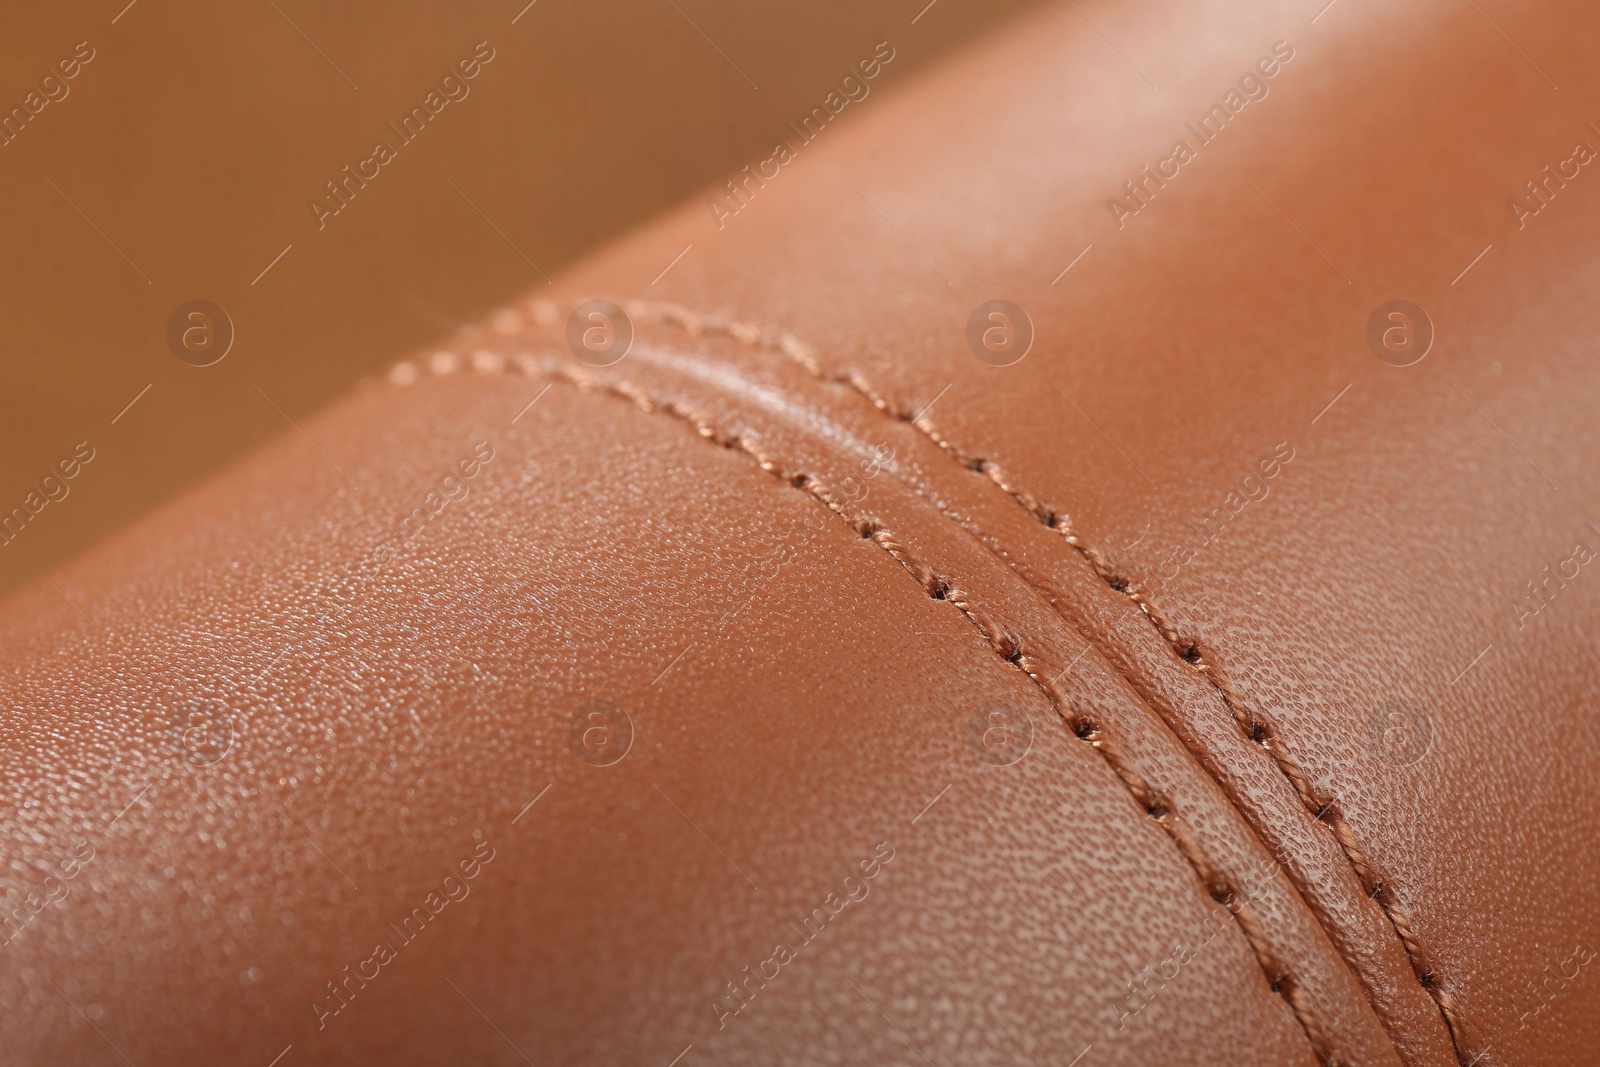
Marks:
<point>1256,726</point>
<point>1155,806</point>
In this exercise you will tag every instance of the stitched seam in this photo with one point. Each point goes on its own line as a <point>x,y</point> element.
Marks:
<point>1156,806</point>
<point>1257,727</point>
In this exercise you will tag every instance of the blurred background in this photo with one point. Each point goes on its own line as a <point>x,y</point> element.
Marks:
<point>177,164</point>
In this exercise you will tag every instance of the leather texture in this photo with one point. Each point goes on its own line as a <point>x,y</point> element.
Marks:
<point>1202,687</point>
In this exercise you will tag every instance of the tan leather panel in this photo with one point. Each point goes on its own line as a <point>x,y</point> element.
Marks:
<point>1302,636</point>
<point>782,737</point>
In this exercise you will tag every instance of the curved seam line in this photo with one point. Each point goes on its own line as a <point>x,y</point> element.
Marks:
<point>1279,978</point>
<point>1257,727</point>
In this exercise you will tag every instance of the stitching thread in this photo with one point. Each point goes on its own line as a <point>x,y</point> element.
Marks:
<point>1157,807</point>
<point>1256,727</point>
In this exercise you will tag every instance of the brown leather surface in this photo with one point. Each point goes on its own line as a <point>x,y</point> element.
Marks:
<point>722,609</point>
<point>1307,785</point>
